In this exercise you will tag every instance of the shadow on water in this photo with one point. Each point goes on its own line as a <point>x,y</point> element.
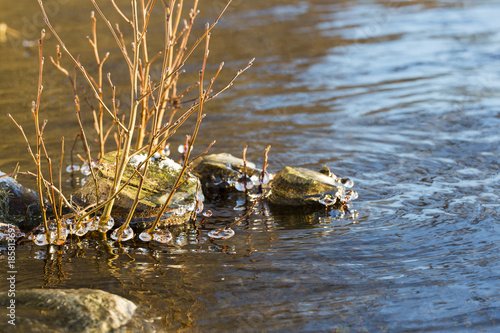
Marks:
<point>402,97</point>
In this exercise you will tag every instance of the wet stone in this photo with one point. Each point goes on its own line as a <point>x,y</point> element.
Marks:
<point>18,204</point>
<point>221,171</point>
<point>67,310</point>
<point>295,186</point>
<point>161,176</point>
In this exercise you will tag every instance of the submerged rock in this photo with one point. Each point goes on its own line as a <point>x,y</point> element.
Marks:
<point>221,171</point>
<point>161,176</point>
<point>294,186</point>
<point>18,205</point>
<point>65,310</point>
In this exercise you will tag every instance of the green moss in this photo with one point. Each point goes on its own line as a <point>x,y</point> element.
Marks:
<point>156,188</point>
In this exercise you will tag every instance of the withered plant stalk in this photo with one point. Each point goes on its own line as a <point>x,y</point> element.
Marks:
<point>54,195</point>
<point>156,110</point>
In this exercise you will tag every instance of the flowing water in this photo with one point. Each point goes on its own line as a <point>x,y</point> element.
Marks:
<point>401,96</point>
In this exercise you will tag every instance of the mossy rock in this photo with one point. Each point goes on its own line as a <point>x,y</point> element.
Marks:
<point>219,171</point>
<point>161,176</point>
<point>65,310</point>
<point>295,186</point>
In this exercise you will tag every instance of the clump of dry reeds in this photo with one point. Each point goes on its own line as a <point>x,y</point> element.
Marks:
<point>155,113</point>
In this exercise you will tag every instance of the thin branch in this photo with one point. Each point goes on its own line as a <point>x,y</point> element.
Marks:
<point>79,65</point>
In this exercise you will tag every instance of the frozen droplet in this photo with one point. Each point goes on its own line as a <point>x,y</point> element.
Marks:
<point>221,233</point>
<point>93,223</point>
<point>327,200</point>
<point>106,227</point>
<point>82,230</point>
<point>145,236</point>
<point>266,178</point>
<point>260,179</point>
<point>243,184</point>
<point>208,213</point>
<point>351,195</point>
<point>347,182</point>
<point>64,232</point>
<point>41,239</point>
<point>126,235</point>
<point>85,169</point>
<point>58,238</point>
<point>73,168</point>
<point>162,236</point>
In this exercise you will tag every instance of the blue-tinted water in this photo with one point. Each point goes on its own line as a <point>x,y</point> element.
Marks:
<point>404,98</point>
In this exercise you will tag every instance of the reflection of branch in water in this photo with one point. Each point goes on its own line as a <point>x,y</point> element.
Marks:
<point>53,268</point>
<point>227,232</point>
<point>248,241</point>
<point>160,283</point>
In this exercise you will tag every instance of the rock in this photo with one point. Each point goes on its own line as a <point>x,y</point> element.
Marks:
<point>18,204</point>
<point>219,171</point>
<point>161,176</point>
<point>66,310</point>
<point>294,186</point>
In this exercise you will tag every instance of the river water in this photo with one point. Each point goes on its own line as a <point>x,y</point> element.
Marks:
<point>401,96</point>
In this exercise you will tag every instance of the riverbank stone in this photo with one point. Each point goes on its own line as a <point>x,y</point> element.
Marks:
<point>161,176</point>
<point>18,205</point>
<point>295,186</point>
<point>66,310</point>
<point>220,171</point>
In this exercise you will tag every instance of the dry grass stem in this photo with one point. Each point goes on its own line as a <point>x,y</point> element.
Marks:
<point>156,109</point>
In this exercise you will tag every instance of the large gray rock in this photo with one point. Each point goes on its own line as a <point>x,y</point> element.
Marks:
<point>65,310</point>
<point>294,186</point>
